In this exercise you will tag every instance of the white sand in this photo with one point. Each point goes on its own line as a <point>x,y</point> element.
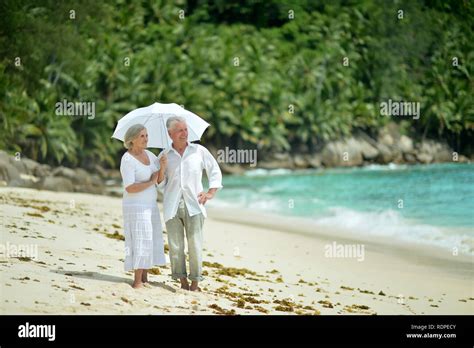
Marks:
<point>79,269</point>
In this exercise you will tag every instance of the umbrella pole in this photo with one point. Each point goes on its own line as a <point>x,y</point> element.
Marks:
<point>164,130</point>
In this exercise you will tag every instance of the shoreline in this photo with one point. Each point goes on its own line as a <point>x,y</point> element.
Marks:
<point>307,227</point>
<point>249,269</point>
<point>28,173</point>
<point>439,231</point>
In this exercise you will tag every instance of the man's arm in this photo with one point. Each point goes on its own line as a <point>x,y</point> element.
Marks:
<point>214,175</point>
<point>140,186</point>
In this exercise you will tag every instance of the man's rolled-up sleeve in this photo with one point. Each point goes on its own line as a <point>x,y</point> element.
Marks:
<point>213,171</point>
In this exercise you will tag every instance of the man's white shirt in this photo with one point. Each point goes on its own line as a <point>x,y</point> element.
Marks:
<point>183,177</point>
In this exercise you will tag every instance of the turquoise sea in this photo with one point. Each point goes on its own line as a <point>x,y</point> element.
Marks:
<point>431,204</point>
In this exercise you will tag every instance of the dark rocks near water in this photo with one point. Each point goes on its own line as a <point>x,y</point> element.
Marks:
<point>432,152</point>
<point>357,151</point>
<point>8,172</point>
<point>388,146</point>
<point>23,172</point>
<point>54,183</point>
<point>346,153</point>
<point>277,160</point>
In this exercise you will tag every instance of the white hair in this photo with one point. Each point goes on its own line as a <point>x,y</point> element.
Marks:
<point>131,134</point>
<point>170,122</point>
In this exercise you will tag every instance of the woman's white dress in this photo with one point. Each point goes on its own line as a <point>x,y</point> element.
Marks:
<point>141,218</point>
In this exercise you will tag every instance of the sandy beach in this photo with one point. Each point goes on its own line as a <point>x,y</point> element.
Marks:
<point>73,250</point>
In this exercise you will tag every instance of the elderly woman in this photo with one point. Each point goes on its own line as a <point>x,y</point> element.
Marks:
<point>142,224</point>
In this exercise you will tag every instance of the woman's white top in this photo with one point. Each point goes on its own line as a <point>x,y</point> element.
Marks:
<point>133,171</point>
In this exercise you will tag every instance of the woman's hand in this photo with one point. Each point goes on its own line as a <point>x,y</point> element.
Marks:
<point>154,177</point>
<point>163,162</point>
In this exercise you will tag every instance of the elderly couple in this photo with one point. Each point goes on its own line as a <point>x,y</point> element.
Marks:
<point>179,170</point>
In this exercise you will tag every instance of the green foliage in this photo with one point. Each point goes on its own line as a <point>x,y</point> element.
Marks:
<point>261,78</point>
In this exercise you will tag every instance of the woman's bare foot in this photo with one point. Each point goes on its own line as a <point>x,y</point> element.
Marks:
<point>137,285</point>
<point>137,282</point>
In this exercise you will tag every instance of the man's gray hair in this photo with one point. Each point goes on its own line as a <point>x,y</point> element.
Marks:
<point>131,134</point>
<point>170,122</point>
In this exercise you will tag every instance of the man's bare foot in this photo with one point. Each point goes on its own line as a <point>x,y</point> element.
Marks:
<point>137,285</point>
<point>184,284</point>
<point>195,287</point>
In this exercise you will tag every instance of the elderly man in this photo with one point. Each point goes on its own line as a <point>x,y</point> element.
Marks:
<point>184,199</point>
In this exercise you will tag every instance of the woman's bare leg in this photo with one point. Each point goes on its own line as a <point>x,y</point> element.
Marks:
<point>137,283</point>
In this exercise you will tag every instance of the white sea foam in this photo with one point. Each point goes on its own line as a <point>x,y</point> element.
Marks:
<point>272,205</point>
<point>267,172</point>
<point>381,167</point>
<point>390,224</point>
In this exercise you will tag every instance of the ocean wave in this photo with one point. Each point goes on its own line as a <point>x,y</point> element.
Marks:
<point>390,166</point>
<point>267,172</point>
<point>368,168</point>
<point>390,224</point>
<point>272,205</point>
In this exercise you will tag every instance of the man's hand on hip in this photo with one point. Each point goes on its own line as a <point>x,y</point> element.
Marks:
<point>203,197</point>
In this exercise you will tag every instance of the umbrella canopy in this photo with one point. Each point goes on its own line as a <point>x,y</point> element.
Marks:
<point>154,118</point>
